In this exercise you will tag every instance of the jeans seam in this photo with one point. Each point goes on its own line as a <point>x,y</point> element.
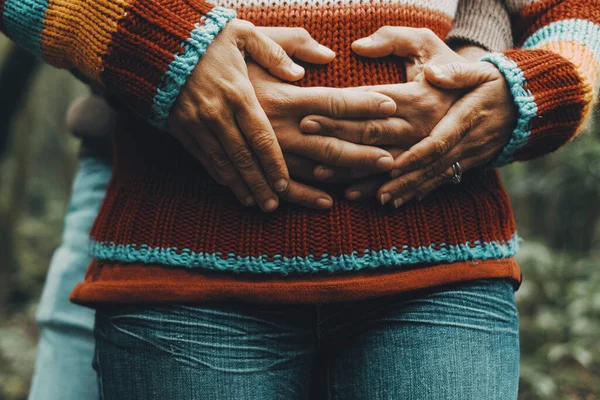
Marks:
<point>99,371</point>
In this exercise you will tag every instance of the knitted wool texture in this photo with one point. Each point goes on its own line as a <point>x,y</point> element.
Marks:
<point>167,232</point>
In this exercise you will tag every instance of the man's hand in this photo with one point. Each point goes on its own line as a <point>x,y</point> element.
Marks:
<point>219,120</point>
<point>286,104</point>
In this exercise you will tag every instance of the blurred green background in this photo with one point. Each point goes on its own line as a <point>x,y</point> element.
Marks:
<point>556,200</point>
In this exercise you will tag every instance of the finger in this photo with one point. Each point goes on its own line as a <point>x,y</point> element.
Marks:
<point>430,185</point>
<point>271,56</point>
<point>365,189</point>
<point>334,152</point>
<point>459,75</point>
<point>242,158</point>
<point>344,103</point>
<point>259,133</point>
<point>400,41</point>
<point>307,196</point>
<point>298,43</point>
<point>460,119</point>
<point>403,188</point>
<point>389,131</point>
<point>200,155</point>
<point>209,150</point>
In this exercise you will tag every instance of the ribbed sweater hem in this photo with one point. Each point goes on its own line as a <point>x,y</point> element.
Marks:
<point>153,284</point>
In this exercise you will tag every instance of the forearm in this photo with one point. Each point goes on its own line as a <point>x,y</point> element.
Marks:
<point>553,74</point>
<point>142,52</point>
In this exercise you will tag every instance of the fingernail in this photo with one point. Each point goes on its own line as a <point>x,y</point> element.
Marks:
<point>249,201</point>
<point>364,41</point>
<point>297,69</point>
<point>385,198</point>
<point>311,126</point>
<point>384,163</point>
<point>270,205</point>
<point>354,195</point>
<point>324,203</point>
<point>437,70</point>
<point>326,50</point>
<point>281,185</point>
<point>398,203</point>
<point>387,107</point>
<point>325,173</point>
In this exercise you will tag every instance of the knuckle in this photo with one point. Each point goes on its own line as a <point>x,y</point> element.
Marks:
<point>301,35</point>
<point>243,27</point>
<point>401,186</point>
<point>219,160</point>
<point>333,150</point>
<point>425,41</point>
<point>338,106</point>
<point>386,30</point>
<point>276,55</point>
<point>444,176</point>
<point>455,68</point>
<point>434,169</point>
<point>262,142</point>
<point>243,160</point>
<point>259,186</point>
<point>427,34</point>
<point>373,133</point>
<point>210,111</point>
<point>440,147</point>
<point>414,160</point>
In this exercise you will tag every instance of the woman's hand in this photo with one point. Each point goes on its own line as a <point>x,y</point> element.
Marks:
<point>219,120</point>
<point>285,105</point>
<point>473,132</point>
<point>419,104</point>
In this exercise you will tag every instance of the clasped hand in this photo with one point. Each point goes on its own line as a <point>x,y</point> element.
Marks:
<point>255,133</point>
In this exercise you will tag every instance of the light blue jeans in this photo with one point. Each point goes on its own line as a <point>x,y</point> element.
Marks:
<point>456,343</point>
<point>63,369</point>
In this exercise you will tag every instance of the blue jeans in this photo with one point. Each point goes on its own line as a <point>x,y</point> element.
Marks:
<point>459,343</point>
<point>63,369</point>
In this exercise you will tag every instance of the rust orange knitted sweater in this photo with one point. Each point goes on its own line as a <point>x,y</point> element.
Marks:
<point>167,233</point>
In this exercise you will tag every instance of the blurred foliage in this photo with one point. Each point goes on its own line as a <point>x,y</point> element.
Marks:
<point>557,206</point>
<point>556,201</point>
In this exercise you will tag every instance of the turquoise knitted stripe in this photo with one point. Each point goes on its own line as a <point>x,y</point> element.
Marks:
<point>279,264</point>
<point>24,21</point>
<point>524,100</point>
<point>576,30</point>
<point>183,64</point>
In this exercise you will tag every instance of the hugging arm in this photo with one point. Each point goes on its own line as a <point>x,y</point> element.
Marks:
<point>521,104</point>
<point>180,65</point>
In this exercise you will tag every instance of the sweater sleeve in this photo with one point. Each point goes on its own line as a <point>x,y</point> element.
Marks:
<point>485,24</point>
<point>141,51</point>
<point>553,73</point>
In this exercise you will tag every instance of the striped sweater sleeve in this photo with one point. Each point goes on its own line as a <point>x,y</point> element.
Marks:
<point>553,73</point>
<point>141,51</point>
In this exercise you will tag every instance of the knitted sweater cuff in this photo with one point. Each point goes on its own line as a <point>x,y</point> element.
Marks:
<point>487,27</point>
<point>551,98</point>
<point>140,51</point>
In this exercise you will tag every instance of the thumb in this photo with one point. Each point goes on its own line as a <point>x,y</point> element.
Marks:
<point>271,56</point>
<point>297,42</point>
<point>457,75</point>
